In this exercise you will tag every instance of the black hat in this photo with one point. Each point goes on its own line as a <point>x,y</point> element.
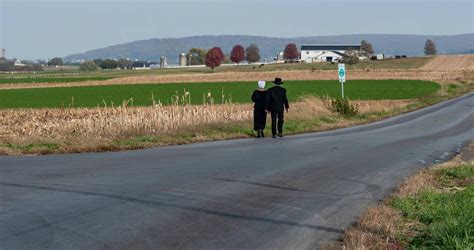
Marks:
<point>277,81</point>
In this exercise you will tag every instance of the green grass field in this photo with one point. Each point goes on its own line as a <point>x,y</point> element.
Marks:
<point>237,92</point>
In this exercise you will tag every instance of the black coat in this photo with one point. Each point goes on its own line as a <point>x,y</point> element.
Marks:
<point>259,98</point>
<point>277,101</point>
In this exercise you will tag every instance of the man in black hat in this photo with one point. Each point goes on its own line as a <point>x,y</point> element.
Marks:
<point>276,104</point>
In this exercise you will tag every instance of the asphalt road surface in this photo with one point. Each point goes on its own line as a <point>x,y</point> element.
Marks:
<point>294,192</point>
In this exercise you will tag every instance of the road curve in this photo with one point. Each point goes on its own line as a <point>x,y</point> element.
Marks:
<point>295,192</point>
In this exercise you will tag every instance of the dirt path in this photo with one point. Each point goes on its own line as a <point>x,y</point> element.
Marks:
<point>455,62</point>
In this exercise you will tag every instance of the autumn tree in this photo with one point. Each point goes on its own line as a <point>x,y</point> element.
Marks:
<point>430,48</point>
<point>366,47</point>
<point>291,52</point>
<point>238,54</point>
<point>252,53</point>
<point>214,57</point>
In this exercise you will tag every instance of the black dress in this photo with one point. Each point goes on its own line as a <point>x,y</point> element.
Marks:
<point>259,114</point>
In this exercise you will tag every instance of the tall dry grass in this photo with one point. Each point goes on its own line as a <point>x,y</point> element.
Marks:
<point>102,125</point>
<point>114,121</point>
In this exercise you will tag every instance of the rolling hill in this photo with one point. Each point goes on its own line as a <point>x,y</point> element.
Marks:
<point>153,49</point>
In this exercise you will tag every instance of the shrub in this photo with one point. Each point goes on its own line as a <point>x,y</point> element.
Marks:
<point>341,106</point>
<point>88,66</point>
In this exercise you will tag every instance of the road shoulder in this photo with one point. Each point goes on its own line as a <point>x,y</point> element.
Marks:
<point>424,211</point>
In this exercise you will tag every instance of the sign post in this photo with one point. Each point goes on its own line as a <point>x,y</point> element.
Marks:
<point>342,76</point>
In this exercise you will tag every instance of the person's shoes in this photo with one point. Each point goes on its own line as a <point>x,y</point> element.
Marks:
<point>261,133</point>
<point>274,136</point>
<point>280,135</point>
<point>258,134</point>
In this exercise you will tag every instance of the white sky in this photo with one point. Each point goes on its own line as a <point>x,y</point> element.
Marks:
<point>31,29</point>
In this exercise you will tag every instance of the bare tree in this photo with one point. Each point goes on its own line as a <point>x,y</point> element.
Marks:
<point>350,57</point>
<point>366,47</point>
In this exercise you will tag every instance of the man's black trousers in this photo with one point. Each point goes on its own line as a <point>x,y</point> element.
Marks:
<point>277,118</point>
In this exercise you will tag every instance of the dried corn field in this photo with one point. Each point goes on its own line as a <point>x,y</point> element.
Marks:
<point>18,125</point>
<point>113,122</point>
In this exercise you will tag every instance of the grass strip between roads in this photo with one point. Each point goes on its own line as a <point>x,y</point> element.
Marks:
<point>52,79</point>
<point>433,209</point>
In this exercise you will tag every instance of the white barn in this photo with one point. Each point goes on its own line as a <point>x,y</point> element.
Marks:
<point>325,52</point>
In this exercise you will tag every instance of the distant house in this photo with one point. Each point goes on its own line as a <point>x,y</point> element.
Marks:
<point>137,65</point>
<point>326,52</point>
<point>18,63</point>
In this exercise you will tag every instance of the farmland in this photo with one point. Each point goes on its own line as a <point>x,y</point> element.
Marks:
<point>70,75</point>
<point>199,93</point>
<point>59,115</point>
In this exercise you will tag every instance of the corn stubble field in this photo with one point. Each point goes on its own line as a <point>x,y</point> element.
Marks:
<point>88,129</point>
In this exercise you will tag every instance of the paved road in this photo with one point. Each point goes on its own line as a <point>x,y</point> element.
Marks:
<point>299,191</point>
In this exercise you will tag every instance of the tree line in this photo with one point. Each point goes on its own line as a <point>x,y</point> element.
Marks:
<point>214,57</point>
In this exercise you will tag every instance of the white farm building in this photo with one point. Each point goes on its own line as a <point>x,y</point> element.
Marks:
<point>326,52</point>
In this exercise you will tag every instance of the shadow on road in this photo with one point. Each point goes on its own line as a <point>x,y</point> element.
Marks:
<point>188,208</point>
<point>259,184</point>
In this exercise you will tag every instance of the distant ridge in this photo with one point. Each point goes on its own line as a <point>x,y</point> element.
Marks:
<point>153,49</point>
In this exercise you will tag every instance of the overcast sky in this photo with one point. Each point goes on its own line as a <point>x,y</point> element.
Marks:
<point>32,29</point>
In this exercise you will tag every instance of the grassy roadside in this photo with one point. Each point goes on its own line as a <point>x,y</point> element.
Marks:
<point>433,209</point>
<point>309,115</point>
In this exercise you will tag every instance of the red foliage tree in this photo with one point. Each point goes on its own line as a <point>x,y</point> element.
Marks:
<point>238,54</point>
<point>214,57</point>
<point>291,52</point>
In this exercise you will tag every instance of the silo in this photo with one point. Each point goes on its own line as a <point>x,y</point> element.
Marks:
<point>280,56</point>
<point>182,59</point>
<point>163,63</point>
